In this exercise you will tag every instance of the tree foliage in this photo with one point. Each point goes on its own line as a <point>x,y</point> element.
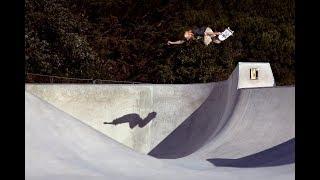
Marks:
<point>126,39</point>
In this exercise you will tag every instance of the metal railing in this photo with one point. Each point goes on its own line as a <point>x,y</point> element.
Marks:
<point>42,78</point>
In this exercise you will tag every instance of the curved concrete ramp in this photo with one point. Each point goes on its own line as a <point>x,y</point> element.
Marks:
<point>106,131</point>
<point>59,146</point>
<point>258,119</point>
<point>234,121</point>
<point>204,123</point>
<point>96,104</point>
<point>261,119</point>
<point>281,154</point>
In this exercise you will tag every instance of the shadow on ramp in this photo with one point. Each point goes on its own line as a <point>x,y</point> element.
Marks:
<point>201,125</point>
<point>133,120</point>
<point>281,154</point>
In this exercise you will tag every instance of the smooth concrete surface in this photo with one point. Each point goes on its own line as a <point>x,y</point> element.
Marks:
<point>66,137</point>
<point>95,104</point>
<point>203,124</point>
<point>173,104</point>
<point>58,146</point>
<point>261,119</point>
<point>233,123</point>
<point>281,154</point>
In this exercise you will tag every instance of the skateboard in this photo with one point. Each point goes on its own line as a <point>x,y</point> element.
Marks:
<point>225,34</point>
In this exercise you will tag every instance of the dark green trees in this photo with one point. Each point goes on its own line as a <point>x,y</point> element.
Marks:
<point>126,39</point>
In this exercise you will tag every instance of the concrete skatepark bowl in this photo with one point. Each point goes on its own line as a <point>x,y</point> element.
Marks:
<point>233,129</point>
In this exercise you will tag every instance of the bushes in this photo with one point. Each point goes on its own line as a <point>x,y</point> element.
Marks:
<point>55,41</point>
<point>126,40</point>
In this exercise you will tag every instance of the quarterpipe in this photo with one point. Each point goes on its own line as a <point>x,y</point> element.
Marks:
<point>234,129</point>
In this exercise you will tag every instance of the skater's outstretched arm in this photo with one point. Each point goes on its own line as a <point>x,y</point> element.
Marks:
<point>175,42</point>
<point>109,123</point>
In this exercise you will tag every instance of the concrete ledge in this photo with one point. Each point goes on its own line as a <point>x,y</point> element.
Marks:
<point>265,76</point>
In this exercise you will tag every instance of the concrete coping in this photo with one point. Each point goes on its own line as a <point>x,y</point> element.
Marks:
<point>254,75</point>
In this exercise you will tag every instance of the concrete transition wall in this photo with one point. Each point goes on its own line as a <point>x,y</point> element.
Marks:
<point>173,104</point>
<point>191,129</point>
<point>95,104</point>
<point>59,146</point>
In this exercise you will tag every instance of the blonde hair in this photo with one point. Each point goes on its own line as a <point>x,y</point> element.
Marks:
<point>188,34</point>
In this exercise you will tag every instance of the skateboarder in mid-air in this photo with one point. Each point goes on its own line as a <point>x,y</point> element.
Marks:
<point>204,33</point>
<point>133,120</point>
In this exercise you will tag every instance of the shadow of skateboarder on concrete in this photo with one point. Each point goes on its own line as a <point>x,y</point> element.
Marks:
<point>133,120</point>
